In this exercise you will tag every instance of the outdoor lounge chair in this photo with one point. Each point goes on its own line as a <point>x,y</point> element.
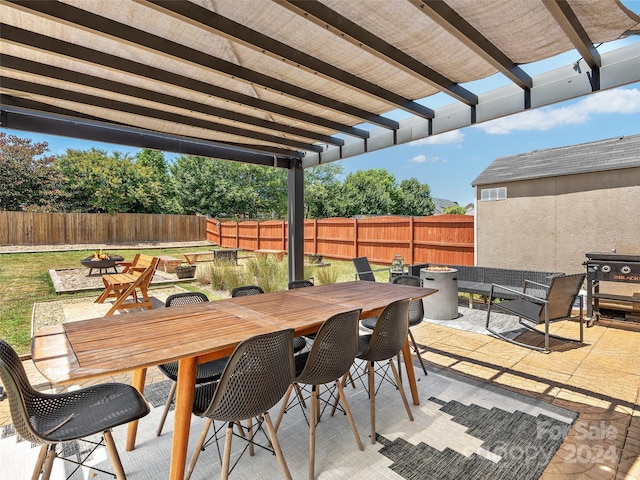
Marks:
<point>134,280</point>
<point>364,271</point>
<point>532,310</point>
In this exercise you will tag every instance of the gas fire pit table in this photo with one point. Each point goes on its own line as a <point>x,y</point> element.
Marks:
<point>442,305</point>
<point>102,264</point>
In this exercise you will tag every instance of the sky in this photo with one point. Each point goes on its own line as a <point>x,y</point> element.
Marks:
<point>450,161</point>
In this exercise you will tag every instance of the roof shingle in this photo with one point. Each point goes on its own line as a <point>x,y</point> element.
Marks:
<point>603,155</point>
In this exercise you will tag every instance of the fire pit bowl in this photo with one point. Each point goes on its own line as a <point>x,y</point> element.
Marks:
<point>102,264</point>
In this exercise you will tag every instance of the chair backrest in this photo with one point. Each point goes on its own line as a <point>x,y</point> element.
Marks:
<point>144,275</point>
<point>334,348</point>
<point>300,284</point>
<point>186,298</point>
<point>416,307</point>
<point>390,332</point>
<point>23,398</point>
<point>246,290</point>
<point>140,263</point>
<point>363,269</point>
<point>416,267</point>
<point>257,376</point>
<point>562,294</point>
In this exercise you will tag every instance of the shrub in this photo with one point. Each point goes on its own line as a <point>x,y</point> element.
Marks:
<point>325,275</point>
<point>268,273</point>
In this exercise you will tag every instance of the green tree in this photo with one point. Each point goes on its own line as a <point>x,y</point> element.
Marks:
<point>222,188</point>
<point>155,161</point>
<point>415,199</point>
<point>369,192</point>
<point>322,191</point>
<point>454,209</point>
<point>97,182</point>
<point>28,179</point>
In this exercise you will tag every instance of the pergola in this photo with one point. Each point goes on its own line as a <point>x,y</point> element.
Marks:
<point>290,83</point>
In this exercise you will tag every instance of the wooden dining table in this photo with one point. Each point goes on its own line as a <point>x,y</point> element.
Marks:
<point>192,334</point>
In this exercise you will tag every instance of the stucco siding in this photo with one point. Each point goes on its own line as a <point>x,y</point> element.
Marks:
<point>550,223</point>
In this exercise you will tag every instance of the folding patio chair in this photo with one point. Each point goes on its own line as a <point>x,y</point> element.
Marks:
<point>133,281</point>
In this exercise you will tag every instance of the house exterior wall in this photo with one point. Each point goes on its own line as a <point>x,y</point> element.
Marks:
<point>549,224</point>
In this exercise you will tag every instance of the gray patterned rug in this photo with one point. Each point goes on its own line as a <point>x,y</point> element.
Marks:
<point>463,429</point>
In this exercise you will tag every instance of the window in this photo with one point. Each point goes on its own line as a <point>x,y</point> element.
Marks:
<point>489,194</point>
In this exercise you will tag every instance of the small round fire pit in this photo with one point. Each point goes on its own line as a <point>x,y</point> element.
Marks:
<point>103,264</point>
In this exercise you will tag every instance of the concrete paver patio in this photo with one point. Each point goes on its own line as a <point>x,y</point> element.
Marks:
<point>599,380</point>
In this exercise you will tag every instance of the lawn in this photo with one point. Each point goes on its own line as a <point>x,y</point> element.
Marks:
<point>24,280</point>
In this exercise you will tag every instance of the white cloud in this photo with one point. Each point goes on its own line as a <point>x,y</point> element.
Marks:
<point>424,159</point>
<point>610,101</point>
<point>454,136</point>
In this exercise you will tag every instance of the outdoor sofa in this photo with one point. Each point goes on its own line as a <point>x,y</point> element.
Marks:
<point>478,280</point>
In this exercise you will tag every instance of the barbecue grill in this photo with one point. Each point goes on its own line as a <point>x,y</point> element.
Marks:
<point>609,267</point>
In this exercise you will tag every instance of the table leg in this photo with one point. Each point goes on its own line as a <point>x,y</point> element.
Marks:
<point>411,376</point>
<point>185,392</point>
<point>137,382</point>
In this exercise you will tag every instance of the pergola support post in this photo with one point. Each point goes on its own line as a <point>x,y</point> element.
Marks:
<point>295,209</point>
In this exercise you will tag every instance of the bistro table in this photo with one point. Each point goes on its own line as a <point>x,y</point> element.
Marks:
<point>193,334</point>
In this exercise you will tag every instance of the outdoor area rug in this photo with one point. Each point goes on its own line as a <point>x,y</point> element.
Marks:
<point>463,429</point>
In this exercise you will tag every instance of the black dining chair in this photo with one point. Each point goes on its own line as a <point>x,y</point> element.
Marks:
<point>300,284</point>
<point>303,284</point>
<point>416,314</point>
<point>206,372</point>
<point>329,359</point>
<point>383,345</point>
<point>299,343</point>
<point>259,372</point>
<point>51,419</point>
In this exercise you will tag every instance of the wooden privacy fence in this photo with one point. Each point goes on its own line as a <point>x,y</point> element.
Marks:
<point>436,239</point>
<point>36,228</point>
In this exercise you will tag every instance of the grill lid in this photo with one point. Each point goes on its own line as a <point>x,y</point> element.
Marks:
<point>613,257</point>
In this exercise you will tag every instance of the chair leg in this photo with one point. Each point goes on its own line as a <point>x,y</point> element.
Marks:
<point>198,448</point>
<point>167,406</point>
<point>113,455</point>
<point>415,347</point>
<point>300,395</point>
<point>252,450</point>
<point>276,445</point>
<point>372,402</point>
<point>226,458</point>
<point>400,389</point>
<point>42,456</point>
<point>48,463</point>
<point>347,410</point>
<point>312,429</point>
<point>283,407</point>
<point>108,289</point>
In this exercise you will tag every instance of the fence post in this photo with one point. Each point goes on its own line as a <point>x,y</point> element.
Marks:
<point>411,238</point>
<point>315,236</point>
<point>355,237</point>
